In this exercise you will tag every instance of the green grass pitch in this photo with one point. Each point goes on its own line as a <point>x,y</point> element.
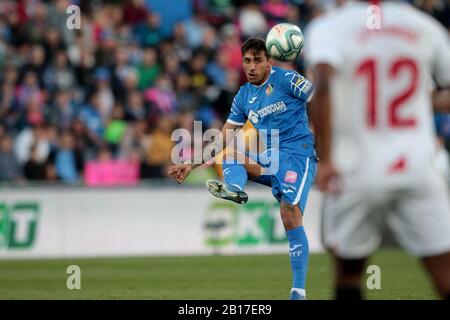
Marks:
<point>258,277</point>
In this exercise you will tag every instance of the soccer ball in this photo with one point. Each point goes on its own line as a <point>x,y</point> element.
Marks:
<point>284,42</point>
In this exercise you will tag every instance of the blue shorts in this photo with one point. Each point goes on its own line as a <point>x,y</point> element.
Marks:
<point>291,179</point>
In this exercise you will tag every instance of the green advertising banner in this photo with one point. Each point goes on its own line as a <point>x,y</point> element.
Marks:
<point>18,225</point>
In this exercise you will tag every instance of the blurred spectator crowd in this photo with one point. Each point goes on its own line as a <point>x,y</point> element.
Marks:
<point>114,90</point>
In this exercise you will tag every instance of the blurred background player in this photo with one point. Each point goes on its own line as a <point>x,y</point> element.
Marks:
<point>377,145</point>
<point>274,100</point>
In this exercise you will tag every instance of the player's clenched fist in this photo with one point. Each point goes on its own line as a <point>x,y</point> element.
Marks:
<point>179,172</point>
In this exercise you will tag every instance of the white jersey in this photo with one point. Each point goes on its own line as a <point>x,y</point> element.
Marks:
<point>381,94</point>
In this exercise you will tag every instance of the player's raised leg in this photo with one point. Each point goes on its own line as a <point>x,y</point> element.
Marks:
<point>236,170</point>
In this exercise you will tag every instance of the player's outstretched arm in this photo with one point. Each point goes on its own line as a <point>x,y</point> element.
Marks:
<point>180,171</point>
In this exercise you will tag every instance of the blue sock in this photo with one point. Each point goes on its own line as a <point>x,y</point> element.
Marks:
<point>299,253</point>
<point>235,176</point>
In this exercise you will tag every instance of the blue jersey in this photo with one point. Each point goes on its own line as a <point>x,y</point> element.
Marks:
<point>277,104</point>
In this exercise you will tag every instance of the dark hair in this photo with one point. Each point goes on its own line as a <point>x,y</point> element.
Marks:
<point>255,45</point>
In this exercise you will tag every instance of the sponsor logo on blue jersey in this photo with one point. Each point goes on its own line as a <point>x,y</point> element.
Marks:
<point>274,108</point>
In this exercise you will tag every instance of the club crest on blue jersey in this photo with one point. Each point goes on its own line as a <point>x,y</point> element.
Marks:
<point>269,89</point>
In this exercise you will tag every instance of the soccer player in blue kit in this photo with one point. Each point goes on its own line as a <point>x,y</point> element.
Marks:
<point>275,101</point>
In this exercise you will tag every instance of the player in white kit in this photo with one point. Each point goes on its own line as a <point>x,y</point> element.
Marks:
<point>375,135</point>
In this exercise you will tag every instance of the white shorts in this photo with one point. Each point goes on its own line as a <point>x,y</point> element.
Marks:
<point>417,213</point>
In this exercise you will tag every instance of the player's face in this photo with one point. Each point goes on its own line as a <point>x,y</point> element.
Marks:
<point>256,66</point>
